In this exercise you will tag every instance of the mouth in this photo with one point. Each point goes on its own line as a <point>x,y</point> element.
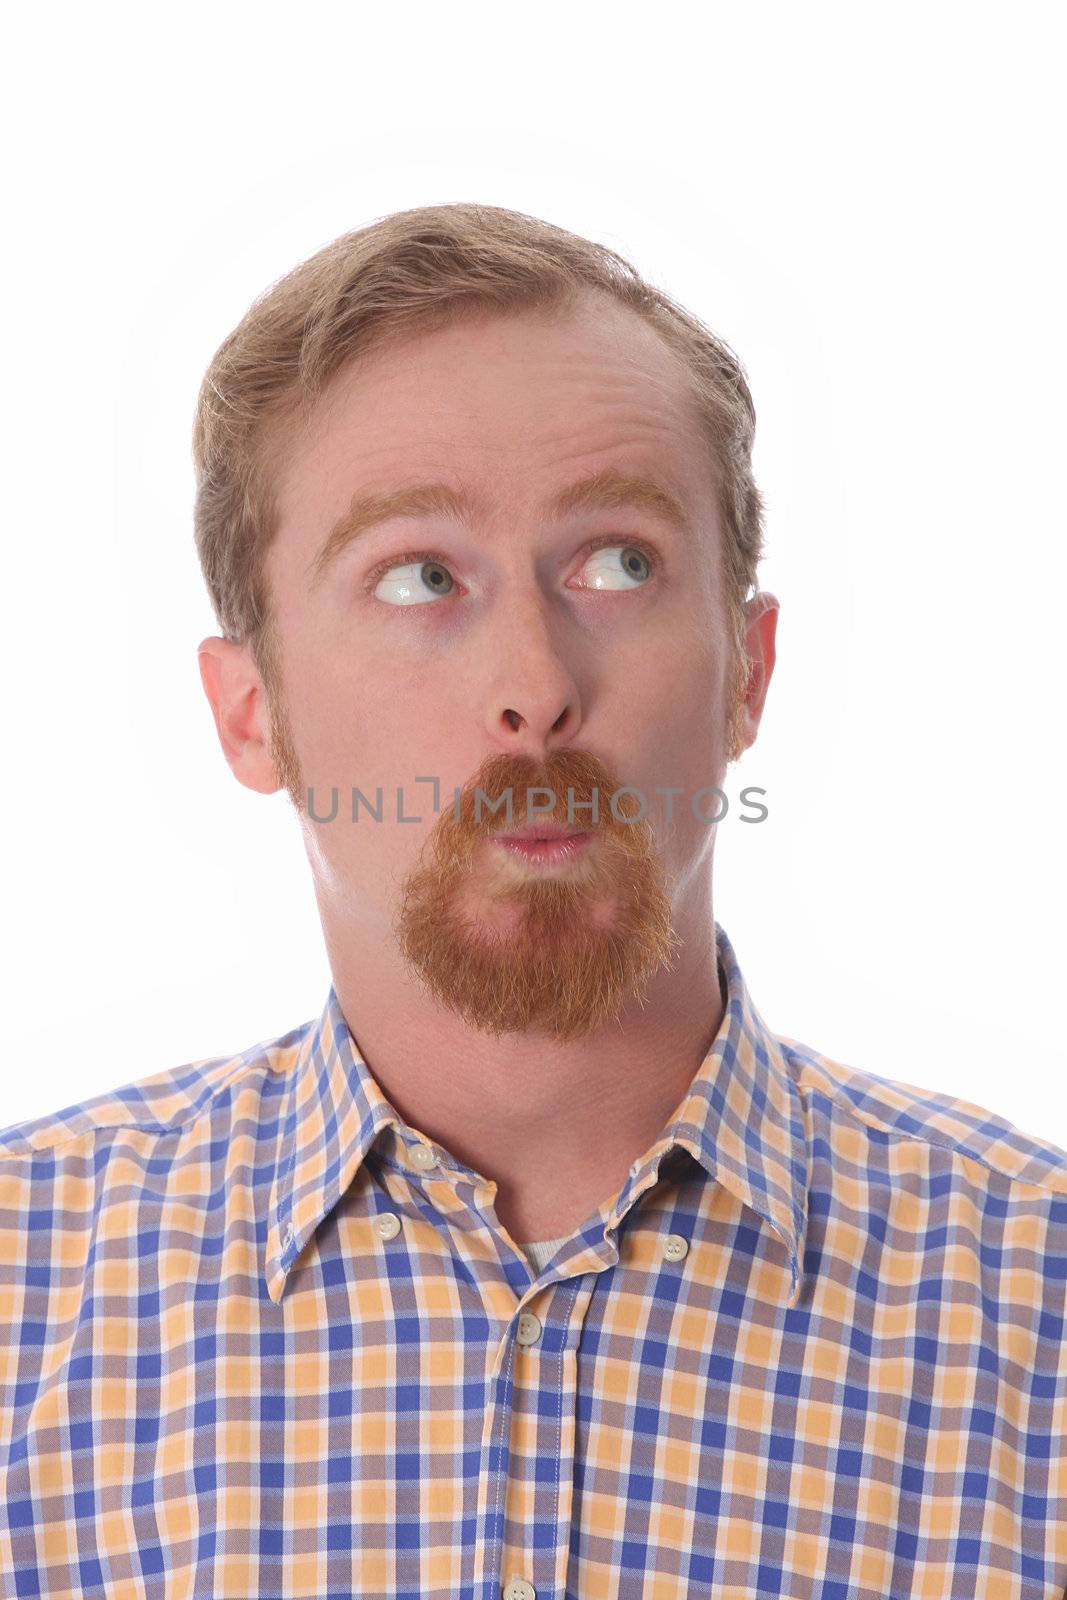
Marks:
<point>545,843</point>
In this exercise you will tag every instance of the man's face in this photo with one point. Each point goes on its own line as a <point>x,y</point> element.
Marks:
<point>523,647</point>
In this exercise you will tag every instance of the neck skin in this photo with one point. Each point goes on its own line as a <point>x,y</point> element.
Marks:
<point>555,1126</point>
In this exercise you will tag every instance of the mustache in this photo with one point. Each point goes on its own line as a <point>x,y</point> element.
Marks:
<point>571,787</point>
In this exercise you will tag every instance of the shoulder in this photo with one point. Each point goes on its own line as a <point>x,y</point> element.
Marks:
<point>923,1127</point>
<point>160,1105</point>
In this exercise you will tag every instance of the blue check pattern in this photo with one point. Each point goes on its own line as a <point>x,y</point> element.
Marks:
<point>260,1337</point>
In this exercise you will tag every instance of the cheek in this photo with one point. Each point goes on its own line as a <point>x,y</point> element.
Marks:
<point>682,705</point>
<point>333,704</point>
<point>682,717</point>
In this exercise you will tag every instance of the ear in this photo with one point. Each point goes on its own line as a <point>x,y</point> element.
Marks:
<point>239,704</point>
<point>762,614</point>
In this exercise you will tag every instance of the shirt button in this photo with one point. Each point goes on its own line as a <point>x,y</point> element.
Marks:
<point>387,1226</point>
<point>675,1247</point>
<point>518,1589</point>
<point>529,1331</point>
<point>287,1236</point>
<point>422,1157</point>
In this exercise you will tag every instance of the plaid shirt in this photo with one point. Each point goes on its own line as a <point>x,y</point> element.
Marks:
<point>262,1338</point>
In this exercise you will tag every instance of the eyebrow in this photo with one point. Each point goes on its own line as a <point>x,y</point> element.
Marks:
<point>608,489</point>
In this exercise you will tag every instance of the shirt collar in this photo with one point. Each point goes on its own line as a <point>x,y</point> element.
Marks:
<point>741,1118</point>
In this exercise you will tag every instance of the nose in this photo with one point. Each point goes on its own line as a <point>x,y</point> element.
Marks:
<point>533,703</point>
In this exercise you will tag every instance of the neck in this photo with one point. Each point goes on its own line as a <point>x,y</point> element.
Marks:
<point>554,1125</point>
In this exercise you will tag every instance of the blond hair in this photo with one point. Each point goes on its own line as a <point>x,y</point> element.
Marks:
<point>411,272</point>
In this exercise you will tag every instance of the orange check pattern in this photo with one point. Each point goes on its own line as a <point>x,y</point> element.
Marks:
<point>259,1337</point>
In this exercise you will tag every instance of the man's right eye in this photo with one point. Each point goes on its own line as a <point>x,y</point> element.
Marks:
<point>413,583</point>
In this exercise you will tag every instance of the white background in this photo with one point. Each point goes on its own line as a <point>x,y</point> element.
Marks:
<point>865,201</point>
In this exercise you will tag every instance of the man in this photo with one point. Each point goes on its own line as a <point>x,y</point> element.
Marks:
<point>537,1264</point>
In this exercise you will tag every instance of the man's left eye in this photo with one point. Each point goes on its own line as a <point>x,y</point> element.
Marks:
<point>608,573</point>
